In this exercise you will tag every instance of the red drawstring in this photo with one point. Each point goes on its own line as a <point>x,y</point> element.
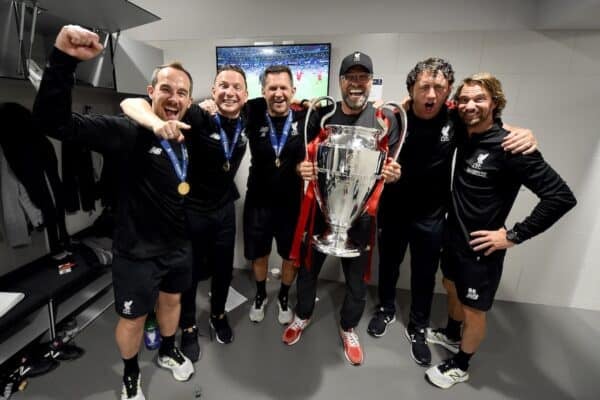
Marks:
<point>308,208</point>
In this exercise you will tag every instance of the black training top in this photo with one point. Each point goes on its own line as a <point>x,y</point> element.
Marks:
<point>150,218</point>
<point>487,181</point>
<point>269,184</point>
<point>211,183</point>
<point>424,186</point>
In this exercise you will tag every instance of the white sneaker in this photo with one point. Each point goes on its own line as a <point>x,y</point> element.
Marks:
<point>181,366</point>
<point>438,336</point>
<point>286,315</point>
<point>446,374</point>
<point>257,310</point>
<point>132,389</point>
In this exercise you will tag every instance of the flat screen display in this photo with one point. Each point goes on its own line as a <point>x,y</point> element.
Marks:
<point>309,64</point>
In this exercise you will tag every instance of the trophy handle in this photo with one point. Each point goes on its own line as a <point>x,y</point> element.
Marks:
<point>391,105</point>
<point>311,107</point>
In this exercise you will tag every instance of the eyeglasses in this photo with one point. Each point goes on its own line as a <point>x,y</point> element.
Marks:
<point>357,77</point>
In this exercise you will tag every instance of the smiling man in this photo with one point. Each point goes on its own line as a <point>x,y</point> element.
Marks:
<point>485,185</point>
<point>274,189</point>
<point>152,263</point>
<point>356,79</point>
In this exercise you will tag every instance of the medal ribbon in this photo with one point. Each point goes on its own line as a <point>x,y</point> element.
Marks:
<point>278,145</point>
<point>180,170</point>
<point>228,151</point>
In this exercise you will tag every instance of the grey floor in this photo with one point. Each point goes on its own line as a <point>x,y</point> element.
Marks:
<point>531,352</point>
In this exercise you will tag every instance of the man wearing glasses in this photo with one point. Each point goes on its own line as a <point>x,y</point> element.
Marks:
<point>356,74</point>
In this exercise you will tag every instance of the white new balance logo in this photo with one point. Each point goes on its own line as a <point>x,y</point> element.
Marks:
<point>23,370</point>
<point>472,294</point>
<point>454,374</point>
<point>157,151</point>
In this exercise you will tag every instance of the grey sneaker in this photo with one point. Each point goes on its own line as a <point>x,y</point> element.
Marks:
<point>180,366</point>
<point>446,374</point>
<point>438,336</point>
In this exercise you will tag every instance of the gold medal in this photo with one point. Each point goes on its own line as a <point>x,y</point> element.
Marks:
<point>226,166</point>
<point>277,162</point>
<point>183,188</point>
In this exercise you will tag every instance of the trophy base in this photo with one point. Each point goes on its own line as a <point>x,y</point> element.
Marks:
<point>335,244</point>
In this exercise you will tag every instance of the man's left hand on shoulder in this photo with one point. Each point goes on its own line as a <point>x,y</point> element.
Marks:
<point>519,140</point>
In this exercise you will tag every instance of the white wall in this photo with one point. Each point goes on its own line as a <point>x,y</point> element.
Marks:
<point>193,19</point>
<point>134,63</point>
<point>552,83</point>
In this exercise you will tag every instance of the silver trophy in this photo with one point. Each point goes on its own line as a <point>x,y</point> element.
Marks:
<point>349,163</point>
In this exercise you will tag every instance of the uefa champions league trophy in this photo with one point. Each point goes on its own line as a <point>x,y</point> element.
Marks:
<point>349,162</point>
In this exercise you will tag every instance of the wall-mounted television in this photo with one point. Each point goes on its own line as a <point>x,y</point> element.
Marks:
<point>309,64</point>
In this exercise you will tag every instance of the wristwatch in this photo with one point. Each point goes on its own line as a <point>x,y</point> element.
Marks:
<point>513,236</point>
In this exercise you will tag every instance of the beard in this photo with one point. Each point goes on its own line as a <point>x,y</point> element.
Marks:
<point>358,104</point>
<point>472,120</point>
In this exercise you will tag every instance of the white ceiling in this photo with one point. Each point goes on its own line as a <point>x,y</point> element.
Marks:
<point>197,19</point>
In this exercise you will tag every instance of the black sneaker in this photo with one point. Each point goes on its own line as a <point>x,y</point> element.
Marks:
<point>378,324</point>
<point>63,350</point>
<point>419,350</point>
<point>222,330</point>
<point>189,343</point>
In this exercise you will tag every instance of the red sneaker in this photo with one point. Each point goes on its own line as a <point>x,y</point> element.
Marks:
<point>352,349</point>
<point>292,333</point>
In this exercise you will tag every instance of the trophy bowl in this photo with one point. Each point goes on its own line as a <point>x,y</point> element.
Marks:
<point>349,162</point>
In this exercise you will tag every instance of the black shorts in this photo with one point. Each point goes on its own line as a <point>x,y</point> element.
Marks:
<point>136,283</point>
<point>475,276</point>
<point>262,225</point>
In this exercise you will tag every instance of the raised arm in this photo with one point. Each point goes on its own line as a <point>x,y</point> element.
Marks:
<point>52,107</point>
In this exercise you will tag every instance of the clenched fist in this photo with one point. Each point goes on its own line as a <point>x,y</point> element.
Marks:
<point>78,42</point>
